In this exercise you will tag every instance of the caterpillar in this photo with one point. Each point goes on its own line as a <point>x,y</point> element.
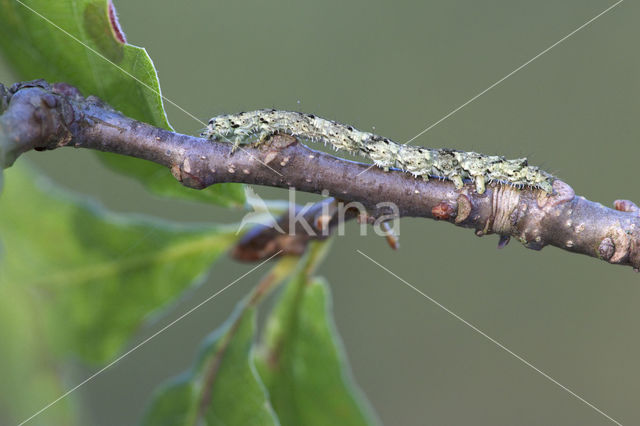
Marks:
<point>443,163</point>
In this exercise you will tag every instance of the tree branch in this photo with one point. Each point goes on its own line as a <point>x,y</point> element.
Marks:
<point>38,116</point>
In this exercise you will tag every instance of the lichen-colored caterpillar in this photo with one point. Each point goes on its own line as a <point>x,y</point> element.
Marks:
<point>425,162</point>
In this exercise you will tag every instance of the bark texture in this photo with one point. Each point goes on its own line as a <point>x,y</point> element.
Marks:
<point>39,116</point>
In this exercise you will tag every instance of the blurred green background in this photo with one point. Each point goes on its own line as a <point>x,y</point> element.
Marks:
<point>400,66</point>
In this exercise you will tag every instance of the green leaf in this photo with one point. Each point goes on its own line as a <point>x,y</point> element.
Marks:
<point>30,376</point>
<point>40,49</point>
<point>222,388</point>
<point>99,63</point>
<point>96,275</point>
<point>302,362</point>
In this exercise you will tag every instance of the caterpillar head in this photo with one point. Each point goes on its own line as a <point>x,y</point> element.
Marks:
<point>222,126</point>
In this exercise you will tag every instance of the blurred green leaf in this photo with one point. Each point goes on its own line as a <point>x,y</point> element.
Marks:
<point>302,361</point>
<point>222,388</point>
<point>37,49</point>
<point>31,376</point>
<point>96,275</point>
<point>121,74</point>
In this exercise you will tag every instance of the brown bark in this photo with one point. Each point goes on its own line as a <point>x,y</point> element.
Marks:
<point>38,116</point>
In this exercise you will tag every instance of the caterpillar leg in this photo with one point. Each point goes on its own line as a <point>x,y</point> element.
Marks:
<point>236,145</point>
<point>480,184</point>
<point>457,181</point>
<point>546,187</point>
<point>263,137</point>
